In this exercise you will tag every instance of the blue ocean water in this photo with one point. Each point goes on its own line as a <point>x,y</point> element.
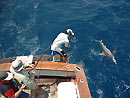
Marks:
<point>30,26</point>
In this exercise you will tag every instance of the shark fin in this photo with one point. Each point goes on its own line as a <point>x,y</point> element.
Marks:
<point>114,51</point>
<point>103,54</point>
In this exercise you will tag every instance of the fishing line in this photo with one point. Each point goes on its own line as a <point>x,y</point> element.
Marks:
<point>40,59</point>
<point>43,55</point>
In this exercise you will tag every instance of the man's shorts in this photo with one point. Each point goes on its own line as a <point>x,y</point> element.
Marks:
<point>61,53</point>
<point>23,95</point>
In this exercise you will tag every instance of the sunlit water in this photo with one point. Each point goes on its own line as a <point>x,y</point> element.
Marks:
<point>30,26</point>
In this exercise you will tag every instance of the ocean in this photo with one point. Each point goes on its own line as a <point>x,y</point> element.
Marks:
<point>30,26</point>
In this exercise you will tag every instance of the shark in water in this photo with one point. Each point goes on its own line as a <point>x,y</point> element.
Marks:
<point>107,52</point>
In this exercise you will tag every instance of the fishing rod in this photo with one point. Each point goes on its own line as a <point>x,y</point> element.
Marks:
<point>41,57</point>
<point>45,52</point>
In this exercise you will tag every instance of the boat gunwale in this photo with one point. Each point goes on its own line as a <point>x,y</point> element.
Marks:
<point>57,66</point>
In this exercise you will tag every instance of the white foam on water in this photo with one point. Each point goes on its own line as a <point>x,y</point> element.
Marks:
<point>100,92</point>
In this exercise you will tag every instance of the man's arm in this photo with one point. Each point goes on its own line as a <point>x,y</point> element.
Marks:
<point>67,49</point>
<point>19,91</point>
<point>67,46</point>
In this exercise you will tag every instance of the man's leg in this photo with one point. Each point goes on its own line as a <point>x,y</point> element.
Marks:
<point>37,93</point>
<point>24,95</point>
<point>64,59</point>
<point>64,56</point>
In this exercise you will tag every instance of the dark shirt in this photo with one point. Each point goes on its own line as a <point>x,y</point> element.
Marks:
<point>8,89</point>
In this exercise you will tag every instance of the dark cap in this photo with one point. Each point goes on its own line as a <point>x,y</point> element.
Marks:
<point>5,75</point>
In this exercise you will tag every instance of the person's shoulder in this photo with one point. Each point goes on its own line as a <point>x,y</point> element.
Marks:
<point>64,34</point>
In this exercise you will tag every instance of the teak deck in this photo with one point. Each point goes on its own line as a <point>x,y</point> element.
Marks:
<point>52,70</point>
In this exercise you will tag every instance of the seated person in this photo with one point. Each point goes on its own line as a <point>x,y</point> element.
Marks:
<point>9,88</point>
<point>27,77</point>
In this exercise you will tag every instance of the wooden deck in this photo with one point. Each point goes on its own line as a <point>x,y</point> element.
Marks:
<point>46,68</point>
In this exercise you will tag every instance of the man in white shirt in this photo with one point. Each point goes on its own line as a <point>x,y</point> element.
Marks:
<point>61,39</point>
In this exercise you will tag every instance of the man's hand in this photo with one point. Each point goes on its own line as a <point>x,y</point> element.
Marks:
<point>67,49</point>
<point>68,53</point>
<point>33,72</point>
<point>22,87</point>
<point>32,65</point>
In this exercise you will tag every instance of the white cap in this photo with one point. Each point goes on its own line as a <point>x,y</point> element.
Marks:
<point>17,65</point>
<point>70,31</point>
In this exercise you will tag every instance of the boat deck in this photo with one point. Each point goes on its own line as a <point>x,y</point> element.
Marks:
<point>50,74</point>
<point>48,87</point>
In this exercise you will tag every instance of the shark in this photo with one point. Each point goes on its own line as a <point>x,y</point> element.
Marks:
<point>107,52</point>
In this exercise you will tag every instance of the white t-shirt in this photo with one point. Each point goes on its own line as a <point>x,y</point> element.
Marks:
<point>61,39</point>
